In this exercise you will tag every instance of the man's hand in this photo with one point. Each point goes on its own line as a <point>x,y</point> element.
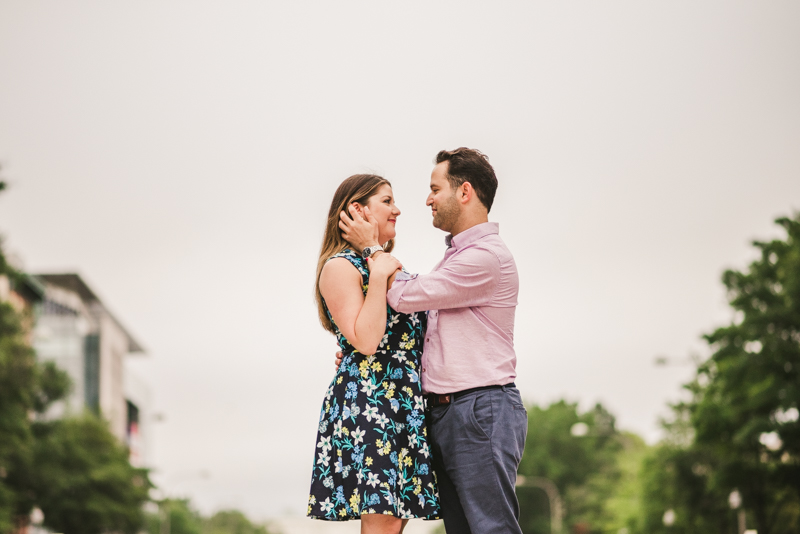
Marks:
<point>362,230</point>
<point>338,359</point>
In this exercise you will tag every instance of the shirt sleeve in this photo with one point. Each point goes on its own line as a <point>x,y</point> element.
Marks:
<point>468,279</point>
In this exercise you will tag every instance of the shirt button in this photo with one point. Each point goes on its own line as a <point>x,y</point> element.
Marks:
<point>423,369</point>
<point>427,339</point>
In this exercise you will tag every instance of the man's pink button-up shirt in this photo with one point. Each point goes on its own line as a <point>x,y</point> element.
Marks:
<point>471,296</point>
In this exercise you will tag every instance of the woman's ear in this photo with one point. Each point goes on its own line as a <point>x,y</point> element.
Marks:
<point>359,209</point>
<point>353,207</point>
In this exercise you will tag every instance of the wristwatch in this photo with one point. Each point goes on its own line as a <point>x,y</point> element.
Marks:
<point>369,251</point>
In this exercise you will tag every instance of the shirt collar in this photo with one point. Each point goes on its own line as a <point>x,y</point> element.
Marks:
<point>471,235</point>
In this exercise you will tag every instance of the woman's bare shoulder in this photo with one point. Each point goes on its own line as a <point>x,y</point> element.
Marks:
<point>337,270</point>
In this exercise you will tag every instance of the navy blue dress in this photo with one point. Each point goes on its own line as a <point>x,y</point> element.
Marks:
<point>372,453</point>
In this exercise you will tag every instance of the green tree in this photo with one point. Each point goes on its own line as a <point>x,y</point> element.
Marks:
<point>747,395</point>
<point>26,387</point>
<point>73,469</point>
<point>739,430</point>
<point>84,482</point>
<point>579,454</point>
<point>182,518</point>
<point>231,522</point>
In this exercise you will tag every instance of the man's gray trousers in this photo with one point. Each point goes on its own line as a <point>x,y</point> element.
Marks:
<point>477,442</point>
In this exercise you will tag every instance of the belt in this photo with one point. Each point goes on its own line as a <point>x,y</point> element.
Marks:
<point>433,400</point>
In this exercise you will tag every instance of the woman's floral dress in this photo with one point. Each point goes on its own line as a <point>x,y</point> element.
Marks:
<point>372,453</point>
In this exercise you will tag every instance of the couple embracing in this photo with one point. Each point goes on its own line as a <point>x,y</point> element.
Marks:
<point>422,419</point>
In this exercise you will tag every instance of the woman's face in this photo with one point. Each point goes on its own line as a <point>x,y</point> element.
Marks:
<point>382,207</point>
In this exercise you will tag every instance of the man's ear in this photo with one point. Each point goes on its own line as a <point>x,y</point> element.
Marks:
<point>466,192</point>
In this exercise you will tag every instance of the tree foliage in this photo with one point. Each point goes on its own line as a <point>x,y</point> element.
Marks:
<point>73,469</point>
<point>27,387</point>
<point>585,467</point>
<point>740,428</point>
<point>183,519</point>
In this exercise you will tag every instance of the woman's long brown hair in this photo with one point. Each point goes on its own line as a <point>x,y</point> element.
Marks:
<point>357,188</point>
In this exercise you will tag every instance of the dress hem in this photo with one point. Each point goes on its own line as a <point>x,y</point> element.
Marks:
<point>358,517</point>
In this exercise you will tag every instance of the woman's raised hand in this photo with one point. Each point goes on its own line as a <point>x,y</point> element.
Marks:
<point>384,265</point>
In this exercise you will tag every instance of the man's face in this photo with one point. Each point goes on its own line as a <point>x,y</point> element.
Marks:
<point>442,199</point>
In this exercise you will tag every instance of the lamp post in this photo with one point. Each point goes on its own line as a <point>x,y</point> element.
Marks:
<point>735,502</point>
<point>550,489</point>
<point>669,518</point>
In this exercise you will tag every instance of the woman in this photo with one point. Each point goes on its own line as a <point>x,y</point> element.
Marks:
<point>372,456</point>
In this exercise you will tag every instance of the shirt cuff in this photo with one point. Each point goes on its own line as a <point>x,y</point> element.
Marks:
<point>402,276</point>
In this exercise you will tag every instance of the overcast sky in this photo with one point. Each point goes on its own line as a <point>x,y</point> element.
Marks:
<point>181,157</point>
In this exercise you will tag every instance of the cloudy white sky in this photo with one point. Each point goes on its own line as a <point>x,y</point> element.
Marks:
<point>181,157</point>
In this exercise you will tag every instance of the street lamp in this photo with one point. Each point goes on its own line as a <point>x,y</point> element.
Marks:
<point>556,506</point>
<point>735,502</point>
<point>669,518</point>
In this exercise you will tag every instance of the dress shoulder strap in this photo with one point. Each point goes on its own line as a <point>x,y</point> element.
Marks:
<point>355,259</point>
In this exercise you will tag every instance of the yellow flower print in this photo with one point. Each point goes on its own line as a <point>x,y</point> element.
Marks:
<point>377,367</point>
<point>389,393</point>
<point>407,460</point>
<point>417,490</point>
<point>355,500</point>
<point>342,513</point>
<point>339,380</point>
<point>404,336</point>
<point>379,443</point>
<point>368,461</point>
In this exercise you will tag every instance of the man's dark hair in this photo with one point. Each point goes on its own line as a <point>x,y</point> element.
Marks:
<point>470,165</point>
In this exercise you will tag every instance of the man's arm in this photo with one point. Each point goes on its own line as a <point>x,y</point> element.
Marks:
<point>468,279</point>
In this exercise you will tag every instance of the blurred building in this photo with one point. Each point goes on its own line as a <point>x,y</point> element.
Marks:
<point>24,294</point>
<point>75,329</point>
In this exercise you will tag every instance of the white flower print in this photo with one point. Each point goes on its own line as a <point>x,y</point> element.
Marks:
<point>368,387</point>
<point>419,403</point>
<point>400,356</point>
<point>413,440</point>
<point>358,435</point>
<point>424,449</point>
<point>326,505</point>
<point>370,412</point>
<point>381,420</point>
<point>337,429</point>
<point>373,479</point>
<point>323,459</point>
<point>414,319</point>
<point>394,320</point>
<point>325,444</point>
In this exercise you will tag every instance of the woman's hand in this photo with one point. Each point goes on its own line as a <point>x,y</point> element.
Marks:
<point>383,266</point>
<point>361,231</point>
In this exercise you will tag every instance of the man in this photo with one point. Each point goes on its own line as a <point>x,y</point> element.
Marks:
<point>476,417</point>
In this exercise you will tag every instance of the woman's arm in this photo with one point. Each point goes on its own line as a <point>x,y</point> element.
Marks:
<point>362,320</point>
